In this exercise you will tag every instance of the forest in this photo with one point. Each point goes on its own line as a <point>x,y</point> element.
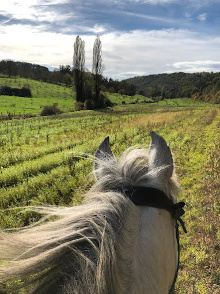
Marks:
<point>199,86</point>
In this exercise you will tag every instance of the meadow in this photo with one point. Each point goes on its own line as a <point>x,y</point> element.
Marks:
<point>48,94</point>
<point>42,94</point>
<point>47,160</point>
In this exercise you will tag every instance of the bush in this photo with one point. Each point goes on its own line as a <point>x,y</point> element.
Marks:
<point>79,106</point>
<point>25,92</point>
<point>88,104</point>
<point>8,91</point>
<point>103,101</point>
<point>51,110</point>
<point>109,103</point>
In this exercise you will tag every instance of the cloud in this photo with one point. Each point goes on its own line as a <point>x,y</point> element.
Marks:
<point>156,2</point>
<point>23,43</point>
<point>198,66</point>
<point>37,11</point>
<point>202,16</point>
<point>134,41</point>
<point>152,18</point>
<point>153,52</point>
<point>125,54</point>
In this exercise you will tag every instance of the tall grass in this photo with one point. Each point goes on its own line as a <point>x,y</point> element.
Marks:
<point>41,162</point>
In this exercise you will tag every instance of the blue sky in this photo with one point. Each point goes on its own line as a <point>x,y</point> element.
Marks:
<point>139,37</point>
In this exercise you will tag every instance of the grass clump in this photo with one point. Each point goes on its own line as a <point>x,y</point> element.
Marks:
<point>51,110</point>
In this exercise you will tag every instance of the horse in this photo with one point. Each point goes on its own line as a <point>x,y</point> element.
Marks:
<point>122,239</point>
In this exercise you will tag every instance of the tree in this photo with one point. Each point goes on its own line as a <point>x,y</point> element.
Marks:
<point>78,67</point>
<point>97,67</point>
<point>8,67</point>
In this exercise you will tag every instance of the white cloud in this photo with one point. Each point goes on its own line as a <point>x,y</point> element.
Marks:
<point>18,10</point>
<point>97,29</point>
<point>152,18</point>
<point>152,52</point>
<point>202,16</point>
<point>197,66</point>
<point>124,54</point>
<point>22,43</point>
<point>30,9</point>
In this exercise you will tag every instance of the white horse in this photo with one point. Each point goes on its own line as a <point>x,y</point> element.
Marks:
<point>121,240</point>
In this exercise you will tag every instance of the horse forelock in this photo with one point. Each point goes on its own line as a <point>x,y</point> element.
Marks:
<point>132,169</point>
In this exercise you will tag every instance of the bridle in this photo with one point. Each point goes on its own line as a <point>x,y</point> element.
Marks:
<point>152,197</point>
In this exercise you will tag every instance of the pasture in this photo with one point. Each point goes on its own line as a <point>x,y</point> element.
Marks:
<point>42,94</point>
<point>44,160</point>
<point>48,94</point>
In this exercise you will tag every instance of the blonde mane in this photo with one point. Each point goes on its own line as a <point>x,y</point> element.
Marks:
<point>90,248</point>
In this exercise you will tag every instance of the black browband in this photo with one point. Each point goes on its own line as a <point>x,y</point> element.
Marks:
<point>152,197</point>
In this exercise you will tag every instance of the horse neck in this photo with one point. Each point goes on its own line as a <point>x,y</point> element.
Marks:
<point>150,251</point>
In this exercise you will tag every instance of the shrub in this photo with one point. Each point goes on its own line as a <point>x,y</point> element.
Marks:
<point>217,98</point>
<point>51,110</point>
<point>103,101</point>
<point>8,91</point>
<point>25,92</point>
<point>109,103</point>
<point>79,106</point>
<point>89,104</point>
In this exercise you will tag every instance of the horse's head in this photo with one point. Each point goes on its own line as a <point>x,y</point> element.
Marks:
<point>148,179</point>
<point>137,167</point>
<point>112,244</point>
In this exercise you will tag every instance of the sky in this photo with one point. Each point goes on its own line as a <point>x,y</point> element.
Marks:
<point>139,37</point>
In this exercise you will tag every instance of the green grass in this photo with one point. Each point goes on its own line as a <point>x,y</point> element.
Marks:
<point>125,99</point>
<point>43,94</point>
<point>41,162</point>
<point>181,102</point>
<point>47,94</point>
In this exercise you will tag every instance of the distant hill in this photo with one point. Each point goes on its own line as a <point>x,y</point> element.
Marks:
<point>63,75</point>
<point>200,86</point>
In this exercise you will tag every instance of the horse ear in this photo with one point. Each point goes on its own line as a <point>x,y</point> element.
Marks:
<point>103,153</point>
<point>160,156</point>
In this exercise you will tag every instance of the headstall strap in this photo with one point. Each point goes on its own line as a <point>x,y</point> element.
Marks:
<point>152,197</point>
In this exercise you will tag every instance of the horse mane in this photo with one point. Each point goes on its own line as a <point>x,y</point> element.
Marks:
<point>81,251</point>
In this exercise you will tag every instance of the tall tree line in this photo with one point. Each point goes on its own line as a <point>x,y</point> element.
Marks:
<point>87,85</point>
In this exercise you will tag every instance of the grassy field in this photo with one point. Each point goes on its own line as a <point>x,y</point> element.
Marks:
<point>48,94</point>
<point>40,162</point>
<point>42,94</point>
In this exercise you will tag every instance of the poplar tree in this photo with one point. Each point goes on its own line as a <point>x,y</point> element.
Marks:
<point>78,67</point>
<point>97,67</point>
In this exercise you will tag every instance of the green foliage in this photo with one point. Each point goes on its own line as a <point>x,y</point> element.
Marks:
<point>23,92</point>
<point>91,104</point>
<point>102,102</point>
<point>79,106</point>
<point>51,110</point>
<point>88,104</point>
<point>44,94</point>
<point>200,86</point>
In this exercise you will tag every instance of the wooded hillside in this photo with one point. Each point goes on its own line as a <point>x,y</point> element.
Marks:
<point>200,86</point>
